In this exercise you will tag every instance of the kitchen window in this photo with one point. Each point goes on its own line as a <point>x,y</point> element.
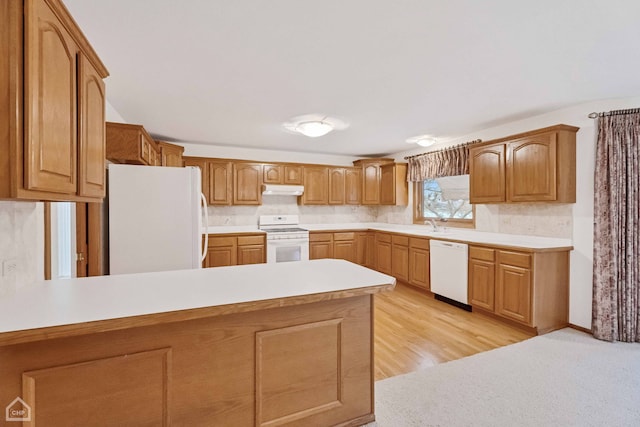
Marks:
<point>444,199</point>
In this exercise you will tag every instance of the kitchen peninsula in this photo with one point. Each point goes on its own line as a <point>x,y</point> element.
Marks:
<point>264,344</point>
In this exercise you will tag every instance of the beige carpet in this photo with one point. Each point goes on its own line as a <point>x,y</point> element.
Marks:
<point>565,378</point>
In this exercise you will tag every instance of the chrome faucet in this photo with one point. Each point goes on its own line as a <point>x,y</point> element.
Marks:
<point>433,224</point>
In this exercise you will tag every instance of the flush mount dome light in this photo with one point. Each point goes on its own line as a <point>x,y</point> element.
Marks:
<point>314,129</point>
<point>314,125</point>
<point>422,140</point>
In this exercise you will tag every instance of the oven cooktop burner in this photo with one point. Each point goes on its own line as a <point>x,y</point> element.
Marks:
<point>284,230</point>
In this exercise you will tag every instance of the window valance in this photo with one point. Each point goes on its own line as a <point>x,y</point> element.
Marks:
<point>435,164</point>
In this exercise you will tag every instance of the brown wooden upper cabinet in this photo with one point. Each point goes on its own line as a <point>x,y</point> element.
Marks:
<point>52,100</point>
<point>288,174</point>
<point>170,154</point>
<point>531,167</point>
<point>316,185</point>
<point>383,182</point>
<point>131,144</point>
<point>220,182</point>
<point>336,186</point>
<point>247,183</point>
<point>353,186</point>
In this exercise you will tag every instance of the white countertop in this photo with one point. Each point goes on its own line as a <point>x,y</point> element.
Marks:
<point>457,234</point>
<point>230,229</point>
<point>72,301</point>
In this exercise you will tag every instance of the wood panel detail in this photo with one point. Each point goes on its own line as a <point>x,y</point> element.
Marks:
<point>209,376</point>
<point>288,388</point>
<point>51,101</point>
<point>133,387</point>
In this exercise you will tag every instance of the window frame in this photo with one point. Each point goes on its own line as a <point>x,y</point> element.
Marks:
<point>418,214</point>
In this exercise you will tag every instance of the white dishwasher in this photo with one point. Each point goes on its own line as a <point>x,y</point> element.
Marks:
<point>449,269</point>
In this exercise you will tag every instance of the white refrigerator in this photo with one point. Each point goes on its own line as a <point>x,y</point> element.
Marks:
<point>155,218</point>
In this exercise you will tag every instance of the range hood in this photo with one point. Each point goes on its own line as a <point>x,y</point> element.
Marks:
<point>282,190</point>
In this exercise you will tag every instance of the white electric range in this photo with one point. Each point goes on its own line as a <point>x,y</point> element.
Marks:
<point>286,241</point>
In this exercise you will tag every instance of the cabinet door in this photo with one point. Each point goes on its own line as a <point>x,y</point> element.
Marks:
<point>316,186</point>
<point>387,185</point>
<point>371,185</point>
<point>531,168</point>
<point>344,246</point>
<point>50,103</point>
<point>383,257</point>
<point>222,251</point>
<point>487,174</point>
<point>482,284</point>
<point>292,175</point>
<point>222,256</point>
<point>251,254</point>
<point>170,155</point>
<point>272,174</point>
<point>419,267</point>
<point>247,182</point>
<point>353,186</point>
<point>251,249</point>
<point>361,248</point>
<point>513,293</point>
<point>400,262</point>
<point>370,252</point>
<point>91,132</point>
<point>336,186</point>
<point>318,250</point>
<point>220,183</point>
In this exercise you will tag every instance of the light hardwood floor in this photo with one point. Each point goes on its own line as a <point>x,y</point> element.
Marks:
<point>414,331</point>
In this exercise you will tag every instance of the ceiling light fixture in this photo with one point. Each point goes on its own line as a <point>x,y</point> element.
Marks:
<point>314,128</point>
<point>422,140</point>
<point>314,125</point>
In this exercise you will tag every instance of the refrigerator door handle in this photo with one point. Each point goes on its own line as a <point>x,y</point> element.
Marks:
<point>206,222</point>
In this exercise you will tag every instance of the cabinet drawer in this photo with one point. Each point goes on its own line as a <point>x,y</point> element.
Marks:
<point>383,237</point>
<point>344,236</point>
<point>419,243</point>
<point>485,254</point>
<point>320,237</point>
<point>515,258</point>
<point>250,240</point>
<point>400,240</point>
<point>221,241</point>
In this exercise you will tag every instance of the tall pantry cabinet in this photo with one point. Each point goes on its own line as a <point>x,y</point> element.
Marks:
<point>52,105</point>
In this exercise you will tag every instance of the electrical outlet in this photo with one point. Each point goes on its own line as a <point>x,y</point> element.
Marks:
<point>9,267</point>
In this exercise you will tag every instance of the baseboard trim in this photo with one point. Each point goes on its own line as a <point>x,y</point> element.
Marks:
<point>581,329</point>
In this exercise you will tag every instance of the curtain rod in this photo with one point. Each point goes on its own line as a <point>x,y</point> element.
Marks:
<point>453,147</point>
<point>595,115</point>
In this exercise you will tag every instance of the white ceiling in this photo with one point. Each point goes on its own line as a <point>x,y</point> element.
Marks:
<point>230,72</point>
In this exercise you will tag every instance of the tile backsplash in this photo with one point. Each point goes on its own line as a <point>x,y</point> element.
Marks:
<point>287,205</point>
<point>21,240</point>
<point>534,219</point>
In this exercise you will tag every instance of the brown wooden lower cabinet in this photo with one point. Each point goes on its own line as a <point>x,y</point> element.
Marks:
<point>419,272</point>
<point>530,289</point>
<point>320,245</point>
<point>206,369</point>
<point>482,267</point>
<point>400,257</point>
<point>251,249</point>
<point>344,246</point>
<point>227,250</point>
<point>222,251</point>
<point>383,253</point>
